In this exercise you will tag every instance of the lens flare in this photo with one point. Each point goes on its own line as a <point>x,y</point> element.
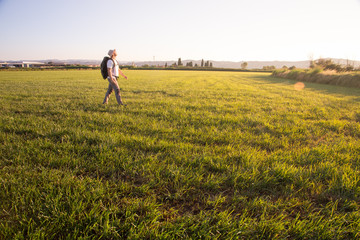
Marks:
<point>299,86</point>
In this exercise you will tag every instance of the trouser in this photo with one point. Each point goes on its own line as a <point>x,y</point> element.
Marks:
<point>113,86</point>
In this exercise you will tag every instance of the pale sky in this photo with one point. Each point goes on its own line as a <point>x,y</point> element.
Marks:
<point>219,30</point>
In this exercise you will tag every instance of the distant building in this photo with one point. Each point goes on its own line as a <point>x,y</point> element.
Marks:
<point>21,64</point>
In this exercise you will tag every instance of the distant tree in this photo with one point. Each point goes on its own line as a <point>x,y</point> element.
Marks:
<point>312,64</point>
<point>292,68</point>
<point>328,64</point>
<point>189,64</point>
<point>349,68</point>
<point>269,68</point>
<point>202,62</point>
<point>284,67</point>
<point>207,63</point>
<point>244,65</point>
<point>196,65</point>
<point>174,64</point>
<point>211,64</point>
<point>323,62</point>
<point>179,62</point>
<point>166,65</point>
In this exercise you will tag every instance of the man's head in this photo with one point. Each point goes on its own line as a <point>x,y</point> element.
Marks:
<point>112,52</point>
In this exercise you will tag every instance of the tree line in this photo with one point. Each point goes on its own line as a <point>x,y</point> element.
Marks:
<point>328,64</point>
<point>179,63</point>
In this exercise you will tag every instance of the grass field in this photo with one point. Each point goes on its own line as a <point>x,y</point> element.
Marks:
<point>194,155</point>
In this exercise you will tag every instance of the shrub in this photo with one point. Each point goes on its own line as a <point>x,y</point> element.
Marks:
<point>315,75</point>
<point>293,74</point>
<point>315,70</point>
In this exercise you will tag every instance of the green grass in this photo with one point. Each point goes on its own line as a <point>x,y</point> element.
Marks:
<point>194,155</point>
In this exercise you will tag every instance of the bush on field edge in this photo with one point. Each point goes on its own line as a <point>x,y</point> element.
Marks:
<point>317,75</point>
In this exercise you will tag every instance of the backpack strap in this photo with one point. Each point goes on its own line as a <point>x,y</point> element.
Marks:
<point>114,62</point>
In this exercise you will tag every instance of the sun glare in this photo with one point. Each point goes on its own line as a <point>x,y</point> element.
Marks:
<point>299,86</point>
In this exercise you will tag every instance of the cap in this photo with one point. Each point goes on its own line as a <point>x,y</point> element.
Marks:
<point>111,51</point>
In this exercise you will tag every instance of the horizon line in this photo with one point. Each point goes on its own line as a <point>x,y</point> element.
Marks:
<point>88,59</point>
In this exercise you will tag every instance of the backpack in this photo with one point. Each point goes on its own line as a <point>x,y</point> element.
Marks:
<point>103,67</point>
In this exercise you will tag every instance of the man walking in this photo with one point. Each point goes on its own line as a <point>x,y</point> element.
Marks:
<point>113,76</point>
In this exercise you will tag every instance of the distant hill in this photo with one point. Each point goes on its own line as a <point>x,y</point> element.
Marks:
<point>227,64</point>
<point>217,64</point>
<point>251,64</point>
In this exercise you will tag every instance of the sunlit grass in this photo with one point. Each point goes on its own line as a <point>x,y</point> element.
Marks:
<point>193,155</point>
